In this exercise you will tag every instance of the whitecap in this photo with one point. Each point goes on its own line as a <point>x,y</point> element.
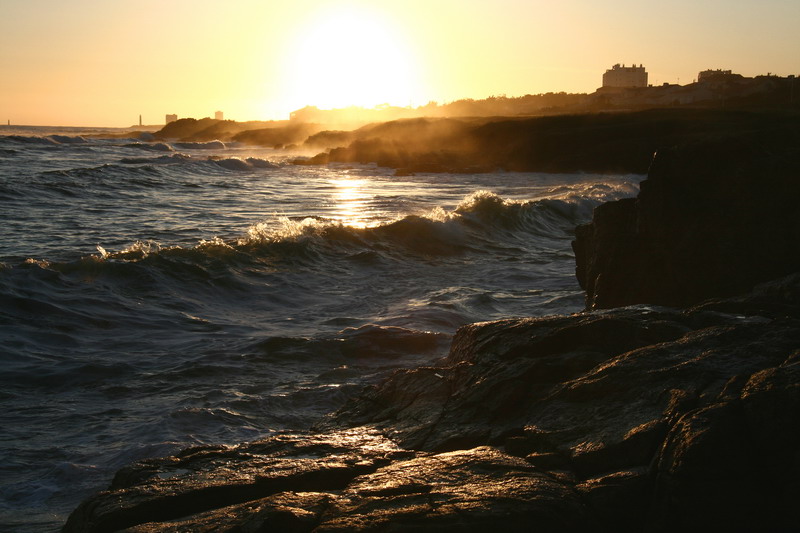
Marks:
<point>260,163</point>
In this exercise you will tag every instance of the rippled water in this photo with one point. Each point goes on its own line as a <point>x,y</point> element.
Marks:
<point>154,296</point>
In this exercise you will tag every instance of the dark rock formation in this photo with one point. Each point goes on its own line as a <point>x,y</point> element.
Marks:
<point>590,142</point>
<point>630,419</point>
<point>210,479</point>
<point>266,133</point>
<point>277,137</point>
<point>713,218</point>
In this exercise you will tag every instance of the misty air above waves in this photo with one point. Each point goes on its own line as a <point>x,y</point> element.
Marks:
<point>156,296</point>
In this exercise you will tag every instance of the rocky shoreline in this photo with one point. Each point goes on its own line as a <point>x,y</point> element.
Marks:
<point>647,419</point>
<point>637,418</point>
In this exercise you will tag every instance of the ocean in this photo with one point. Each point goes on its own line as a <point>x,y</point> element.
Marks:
<point>155,296</point>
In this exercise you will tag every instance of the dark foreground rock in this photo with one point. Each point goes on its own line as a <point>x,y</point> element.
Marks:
<point>713,218</point>
<point>643,419</point>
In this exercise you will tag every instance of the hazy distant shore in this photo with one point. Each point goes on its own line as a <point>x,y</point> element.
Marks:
<point>607,142</point>
<point>566,139</point>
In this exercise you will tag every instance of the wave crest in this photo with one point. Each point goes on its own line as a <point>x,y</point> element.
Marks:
<point>482,222</point>
<point>154,147</point>
<point>68,139</point>
<point>160,160</point>
<point>209,145</point>
<point>243,165</point>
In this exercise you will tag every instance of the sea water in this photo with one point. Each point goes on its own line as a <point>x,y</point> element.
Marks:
<point>159,295</point>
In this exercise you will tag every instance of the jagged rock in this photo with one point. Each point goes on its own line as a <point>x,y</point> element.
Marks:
<point>291,512</point>
<point>619,501</point>
<point>240,489</point>
<point>734,464</point>
<point>569,389</point>
<point>594,397</point>
<point>713,218</point>
<point>467,490</point>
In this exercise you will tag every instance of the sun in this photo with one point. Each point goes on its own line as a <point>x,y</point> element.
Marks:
<point>350,57</point>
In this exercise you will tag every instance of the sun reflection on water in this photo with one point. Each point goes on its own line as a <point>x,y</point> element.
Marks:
<point>350,202</point>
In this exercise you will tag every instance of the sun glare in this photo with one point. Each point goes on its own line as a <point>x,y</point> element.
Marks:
<point>351,57</point>
<point>350,202</point>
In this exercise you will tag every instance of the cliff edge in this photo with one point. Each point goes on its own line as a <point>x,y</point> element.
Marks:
<point>713,218</point>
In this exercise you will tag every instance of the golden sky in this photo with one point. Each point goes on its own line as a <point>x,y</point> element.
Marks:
<point>105,62</point>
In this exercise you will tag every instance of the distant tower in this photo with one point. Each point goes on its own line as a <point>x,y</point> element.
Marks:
<point>171,118</point>
<point>218,115</point>
<point>622,76</point>
<point>140,120</point>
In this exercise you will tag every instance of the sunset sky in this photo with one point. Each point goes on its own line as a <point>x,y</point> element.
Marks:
<point>102,63</point>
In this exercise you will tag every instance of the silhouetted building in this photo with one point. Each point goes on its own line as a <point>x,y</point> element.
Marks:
<point>711,75</point>
<point>622,76</point>
<point>171,118</point>
<point>218,115</point>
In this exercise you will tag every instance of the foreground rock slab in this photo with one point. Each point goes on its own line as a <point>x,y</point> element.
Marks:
<point>204,479</point>
<point>331,482</point>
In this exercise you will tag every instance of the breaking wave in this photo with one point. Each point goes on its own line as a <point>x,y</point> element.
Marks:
<point>235,163</point>
<point>30,140</point>
<point>153,147</point>
<point>210,145</point>
<point>68,139</point>
<point>161,160</point>
<point>482,223</point>
<point>229,163</point>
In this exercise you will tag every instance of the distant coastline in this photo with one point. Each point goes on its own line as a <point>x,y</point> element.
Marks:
<point>717,90</point>
<point>311,129</point>
<point>27,129</point>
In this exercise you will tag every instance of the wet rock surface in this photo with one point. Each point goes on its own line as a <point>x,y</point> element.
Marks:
<point>640,418</point>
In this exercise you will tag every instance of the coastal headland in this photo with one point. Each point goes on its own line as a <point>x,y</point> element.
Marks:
<point>672,403</point>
